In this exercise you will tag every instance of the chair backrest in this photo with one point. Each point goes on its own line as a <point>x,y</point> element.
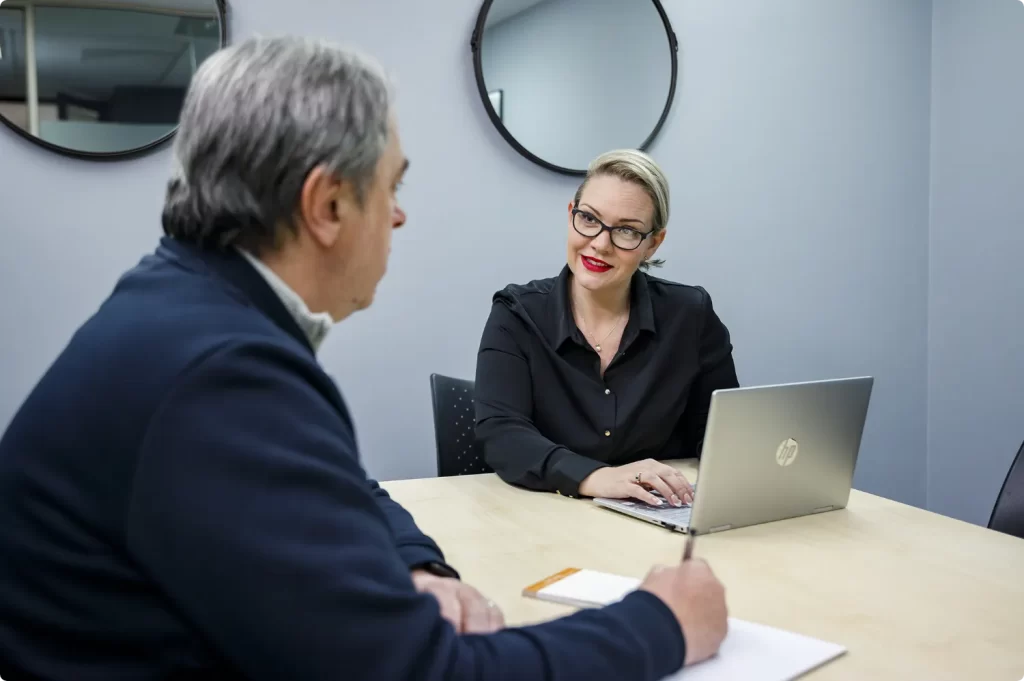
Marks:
<point>458,452</point>
<point>1008,513</point>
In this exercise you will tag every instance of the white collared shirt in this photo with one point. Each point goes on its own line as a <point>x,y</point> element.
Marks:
<point>314,324</point>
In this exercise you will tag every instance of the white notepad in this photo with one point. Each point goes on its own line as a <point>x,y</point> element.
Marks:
<point>582,588</point>
<point>752,652</point>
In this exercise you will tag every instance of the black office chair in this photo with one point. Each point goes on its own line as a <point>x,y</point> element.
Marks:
<point>1008,513</point>
<point>458,452</point>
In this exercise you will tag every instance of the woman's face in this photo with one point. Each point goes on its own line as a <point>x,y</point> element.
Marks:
<point>596,263</point>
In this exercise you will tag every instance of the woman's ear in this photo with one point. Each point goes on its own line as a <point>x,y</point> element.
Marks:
<point>656,241</point>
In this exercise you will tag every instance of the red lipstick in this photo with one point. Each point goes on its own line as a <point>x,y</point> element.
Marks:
<point>594,264</point>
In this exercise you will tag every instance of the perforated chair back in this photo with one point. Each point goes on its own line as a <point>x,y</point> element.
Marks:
<point>1008,513</point>
<point>458,452</point>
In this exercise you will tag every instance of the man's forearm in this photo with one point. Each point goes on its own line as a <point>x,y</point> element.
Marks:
<point>417,549</point>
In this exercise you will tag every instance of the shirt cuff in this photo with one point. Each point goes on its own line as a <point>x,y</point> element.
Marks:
<point>567,470</point>
<point>419,557</point>
<point>437,569</point>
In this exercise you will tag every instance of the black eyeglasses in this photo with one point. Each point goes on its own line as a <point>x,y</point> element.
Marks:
<point>625,238</point>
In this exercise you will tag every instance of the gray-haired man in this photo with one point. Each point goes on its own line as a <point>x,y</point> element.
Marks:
<point>182,494</point>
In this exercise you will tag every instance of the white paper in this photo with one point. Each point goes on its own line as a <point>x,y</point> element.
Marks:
<point>750,652</point>
<point>755,652</point>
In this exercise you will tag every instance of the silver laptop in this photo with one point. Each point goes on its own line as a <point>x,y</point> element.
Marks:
<point>770,453</point>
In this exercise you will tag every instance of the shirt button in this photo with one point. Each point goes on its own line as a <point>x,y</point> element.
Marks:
<point>607,433</point>
<point>607,391</point>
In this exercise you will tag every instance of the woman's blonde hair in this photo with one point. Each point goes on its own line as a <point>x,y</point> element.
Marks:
<point>636,167</point>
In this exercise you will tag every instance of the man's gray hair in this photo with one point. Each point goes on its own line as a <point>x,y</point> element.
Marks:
<point>258,118</point>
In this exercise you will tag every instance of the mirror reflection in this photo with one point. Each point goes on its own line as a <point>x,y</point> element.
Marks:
<point>101,78</point>
<point>568,79</point>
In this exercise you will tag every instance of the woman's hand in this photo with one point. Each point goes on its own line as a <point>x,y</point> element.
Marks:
<point>634,481</point>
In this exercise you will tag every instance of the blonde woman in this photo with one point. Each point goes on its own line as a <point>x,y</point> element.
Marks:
<point>586,382</point>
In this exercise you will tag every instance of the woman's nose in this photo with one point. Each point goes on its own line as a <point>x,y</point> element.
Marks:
<point>603,241</point>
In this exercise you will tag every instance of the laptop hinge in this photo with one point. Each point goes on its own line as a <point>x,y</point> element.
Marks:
<point>823,509</point>
<point>720,528</point>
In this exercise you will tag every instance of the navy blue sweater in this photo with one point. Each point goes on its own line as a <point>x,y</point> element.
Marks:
<point>181,497</point>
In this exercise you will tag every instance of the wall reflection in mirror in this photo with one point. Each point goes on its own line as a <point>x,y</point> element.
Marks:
<point>565,80</point>
<point>101,78</point>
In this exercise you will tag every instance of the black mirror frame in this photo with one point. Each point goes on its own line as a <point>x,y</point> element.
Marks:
<point>476,43</point>
<point>222,11</point>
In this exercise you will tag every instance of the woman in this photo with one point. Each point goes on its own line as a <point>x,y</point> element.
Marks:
<point>586,381</point>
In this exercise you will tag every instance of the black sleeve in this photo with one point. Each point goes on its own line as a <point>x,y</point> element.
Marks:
<point>717,371</point>
<point>417,549</point>
<point>251,513</point>
<point>512,445</point>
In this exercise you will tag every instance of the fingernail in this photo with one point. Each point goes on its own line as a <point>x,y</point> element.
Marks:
<point>676,500</point>
<point>657,501</point>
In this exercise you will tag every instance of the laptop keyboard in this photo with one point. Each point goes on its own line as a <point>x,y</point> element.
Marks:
<point>677,515</point>
<point>668,513</point>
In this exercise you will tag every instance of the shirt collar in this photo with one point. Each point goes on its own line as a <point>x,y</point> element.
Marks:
<point>641,315</point>
<point>315,325</point>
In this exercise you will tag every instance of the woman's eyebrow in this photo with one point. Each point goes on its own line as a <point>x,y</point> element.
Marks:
<point>598,214</point>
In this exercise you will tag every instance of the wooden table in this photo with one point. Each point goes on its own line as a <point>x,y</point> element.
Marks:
<point>913,595</point>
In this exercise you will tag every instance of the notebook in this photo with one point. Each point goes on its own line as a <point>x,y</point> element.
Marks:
<point>753,652</point>
<point>582,588</point>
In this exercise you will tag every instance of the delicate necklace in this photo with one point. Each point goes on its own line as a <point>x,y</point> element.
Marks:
<point>597,346</point>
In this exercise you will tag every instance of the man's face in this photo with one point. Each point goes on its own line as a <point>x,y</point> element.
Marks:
<point>367,244</point>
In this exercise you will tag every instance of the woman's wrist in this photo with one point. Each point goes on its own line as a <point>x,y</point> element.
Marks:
<point>591,485</point>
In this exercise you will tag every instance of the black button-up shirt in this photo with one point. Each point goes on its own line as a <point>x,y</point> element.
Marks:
<point>547,418</point>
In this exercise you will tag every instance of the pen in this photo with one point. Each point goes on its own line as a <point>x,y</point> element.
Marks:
<point>688,548</point>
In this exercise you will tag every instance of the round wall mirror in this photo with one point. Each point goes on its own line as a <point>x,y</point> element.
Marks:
<point>566,80</point>
<point>102,78</point>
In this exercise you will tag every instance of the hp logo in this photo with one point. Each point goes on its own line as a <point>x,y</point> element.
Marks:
<point>785,455</point>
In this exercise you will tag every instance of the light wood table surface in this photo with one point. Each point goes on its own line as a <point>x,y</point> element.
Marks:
<point>912,594</point>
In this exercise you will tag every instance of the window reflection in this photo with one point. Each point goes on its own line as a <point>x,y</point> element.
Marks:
<point>101,79</point>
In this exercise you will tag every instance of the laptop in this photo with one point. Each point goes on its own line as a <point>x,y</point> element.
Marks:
<point>770,453</point>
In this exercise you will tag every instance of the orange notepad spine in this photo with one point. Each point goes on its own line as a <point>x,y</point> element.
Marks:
<point>534,589</point>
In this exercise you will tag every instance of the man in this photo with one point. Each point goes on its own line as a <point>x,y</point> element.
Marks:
<point>181,495</point>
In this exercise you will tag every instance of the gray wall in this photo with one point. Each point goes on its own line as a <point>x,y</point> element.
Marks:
<point>557,73</point>
<point>976,258</point>
<point>798,153</point>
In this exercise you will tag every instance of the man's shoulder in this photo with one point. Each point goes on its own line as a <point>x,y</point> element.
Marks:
<point>160,320</point>
<point>174,315</point>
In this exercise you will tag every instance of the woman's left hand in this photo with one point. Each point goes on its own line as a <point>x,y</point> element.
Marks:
<point>634,480</point>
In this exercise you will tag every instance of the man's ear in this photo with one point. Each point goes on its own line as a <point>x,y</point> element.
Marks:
<point>326,204</point>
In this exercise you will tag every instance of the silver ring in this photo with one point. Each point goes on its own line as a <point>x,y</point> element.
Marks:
<point>638,476</point>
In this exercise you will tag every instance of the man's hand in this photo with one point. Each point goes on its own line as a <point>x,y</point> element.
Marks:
<point>697,599</point>
<point>462,605</point>
<point>621,483</point>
